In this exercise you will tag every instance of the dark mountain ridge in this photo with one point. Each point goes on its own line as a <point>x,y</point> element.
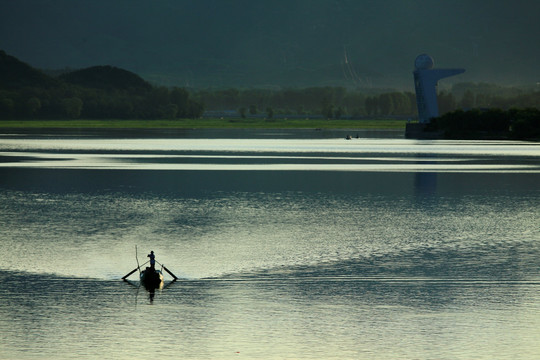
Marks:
<point>15,74</point>
<point>106,78</point>
<point>98,92</point>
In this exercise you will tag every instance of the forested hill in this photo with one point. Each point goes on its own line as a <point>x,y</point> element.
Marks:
<point>99,92</point>
<point>15,74</point>
<point>107,78</point>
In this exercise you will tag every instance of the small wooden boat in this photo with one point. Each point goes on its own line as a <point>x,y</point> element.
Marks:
<point>151,278</point>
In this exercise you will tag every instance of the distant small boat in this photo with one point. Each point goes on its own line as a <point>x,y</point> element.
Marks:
<point>152,278</point>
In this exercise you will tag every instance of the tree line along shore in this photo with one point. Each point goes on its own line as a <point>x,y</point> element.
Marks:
<point>103,95</point>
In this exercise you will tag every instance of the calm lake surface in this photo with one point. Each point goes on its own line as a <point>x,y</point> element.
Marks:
<point>289,245</point>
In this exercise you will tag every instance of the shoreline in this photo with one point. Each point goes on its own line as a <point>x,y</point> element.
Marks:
<point>219,128</point>
<point>223,133</point>
<point>209,123</point>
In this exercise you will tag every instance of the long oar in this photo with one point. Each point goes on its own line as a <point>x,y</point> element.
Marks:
<point>169,271</point>
<point>132,271</point>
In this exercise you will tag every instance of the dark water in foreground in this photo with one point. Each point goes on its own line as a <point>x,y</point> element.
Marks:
<point>286,248</point>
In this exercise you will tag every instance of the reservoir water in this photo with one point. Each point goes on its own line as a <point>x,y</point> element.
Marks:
<point>288,245</point>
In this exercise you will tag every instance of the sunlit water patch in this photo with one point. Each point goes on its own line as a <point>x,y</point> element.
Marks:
<point>271,154</point>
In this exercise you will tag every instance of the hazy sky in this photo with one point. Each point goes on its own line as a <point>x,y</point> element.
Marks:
<point>278,42</point>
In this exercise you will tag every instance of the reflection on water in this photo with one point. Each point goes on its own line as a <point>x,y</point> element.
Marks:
<point>361,249</point>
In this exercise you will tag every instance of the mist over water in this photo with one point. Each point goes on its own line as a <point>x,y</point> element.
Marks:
<point>371,248</point>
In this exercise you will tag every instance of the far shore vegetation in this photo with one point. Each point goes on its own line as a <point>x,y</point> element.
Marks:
<point>488,124</point>
<point>109,97</point>
<point>210,123</point>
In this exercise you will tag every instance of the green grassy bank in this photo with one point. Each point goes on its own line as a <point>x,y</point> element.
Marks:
<point>210,123</point>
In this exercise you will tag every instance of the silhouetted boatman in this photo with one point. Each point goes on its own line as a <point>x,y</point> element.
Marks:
<point>152,260</point>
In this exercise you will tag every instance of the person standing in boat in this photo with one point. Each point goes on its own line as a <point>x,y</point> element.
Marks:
<point>152,260</point>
